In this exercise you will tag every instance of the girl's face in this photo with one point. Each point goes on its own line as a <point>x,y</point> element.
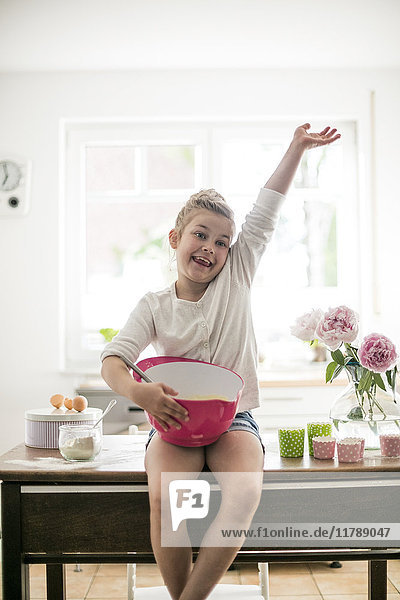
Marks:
<point>203,247</point>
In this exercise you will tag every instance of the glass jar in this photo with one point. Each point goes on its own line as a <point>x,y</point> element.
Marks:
<point>80,442</point>
<point>367,416</point>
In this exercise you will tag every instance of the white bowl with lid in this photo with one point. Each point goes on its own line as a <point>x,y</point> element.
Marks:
<point>41,424</point>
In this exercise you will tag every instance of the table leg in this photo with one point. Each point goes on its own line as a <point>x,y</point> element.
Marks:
<point>377,580</point>
<point>15,572</point>
<point>55,581</point>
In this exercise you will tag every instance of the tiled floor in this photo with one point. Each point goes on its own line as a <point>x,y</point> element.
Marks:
<point>298,581</point>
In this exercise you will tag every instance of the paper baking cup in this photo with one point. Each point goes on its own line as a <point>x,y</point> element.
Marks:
<point>390,444</point>
<point>349,450</point>
<point>291,441</point>
<point>324,447</point>
<point>317,429</point>
<point>362,446</point>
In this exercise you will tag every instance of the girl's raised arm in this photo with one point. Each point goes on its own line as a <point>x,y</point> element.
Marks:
<point>283,175</point>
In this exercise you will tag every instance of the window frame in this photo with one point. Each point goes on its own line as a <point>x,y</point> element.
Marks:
<point>208,135</point>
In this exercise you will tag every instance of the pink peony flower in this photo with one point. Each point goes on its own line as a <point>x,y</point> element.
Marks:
<point>304,326</point>
<point>339,324</point>
<point>377,353</point>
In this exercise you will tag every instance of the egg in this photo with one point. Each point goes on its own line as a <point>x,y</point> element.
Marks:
<point>57,400</point>
<point>68,403</point>
<point>79,403</point>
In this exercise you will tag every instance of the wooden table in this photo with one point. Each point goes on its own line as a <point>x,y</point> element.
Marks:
<point>55,512</point>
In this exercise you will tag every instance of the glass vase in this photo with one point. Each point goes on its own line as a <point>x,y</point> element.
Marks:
<point>368,416</point>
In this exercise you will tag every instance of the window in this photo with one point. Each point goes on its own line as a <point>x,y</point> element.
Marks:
<point>124,185</point>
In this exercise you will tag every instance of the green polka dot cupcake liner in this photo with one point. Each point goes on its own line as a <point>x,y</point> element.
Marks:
<point>317,430</point>
<point>291,441</point>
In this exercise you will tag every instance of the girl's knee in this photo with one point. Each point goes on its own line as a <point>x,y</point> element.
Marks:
<point>155,498</point>
<point>243,499</point>
<point>253,495</point>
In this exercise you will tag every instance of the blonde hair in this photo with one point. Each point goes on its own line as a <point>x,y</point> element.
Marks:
<point>209,200</point>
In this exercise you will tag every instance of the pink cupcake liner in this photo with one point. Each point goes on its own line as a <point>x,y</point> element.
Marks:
<point>324,447</point>
<point>390,444</point>
<point>362,448</point>
<point>362,445</point>
<point>349,449</point>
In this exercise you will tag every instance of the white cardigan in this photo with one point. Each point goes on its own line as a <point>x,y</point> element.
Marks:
<point>218,328</point>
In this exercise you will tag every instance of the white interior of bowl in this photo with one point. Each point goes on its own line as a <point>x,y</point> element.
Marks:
<point>197,379</point>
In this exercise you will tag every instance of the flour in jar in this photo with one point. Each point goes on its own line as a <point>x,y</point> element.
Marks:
<point>82,448</point>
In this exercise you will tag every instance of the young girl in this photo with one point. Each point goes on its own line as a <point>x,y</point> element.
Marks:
<point>206,315</point>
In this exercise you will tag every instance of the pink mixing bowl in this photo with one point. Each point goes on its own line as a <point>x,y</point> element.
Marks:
<point>208,419</point>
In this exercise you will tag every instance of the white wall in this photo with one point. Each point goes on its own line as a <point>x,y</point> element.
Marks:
<point>31,106</point>
<point>55,35</point>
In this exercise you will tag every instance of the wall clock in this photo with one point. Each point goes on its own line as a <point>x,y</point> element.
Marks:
<point>14,186</point>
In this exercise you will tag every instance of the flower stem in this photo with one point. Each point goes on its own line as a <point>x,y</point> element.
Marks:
<point>360,398</point>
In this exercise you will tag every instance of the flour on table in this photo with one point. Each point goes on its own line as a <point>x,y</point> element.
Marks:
<point>105,458</point>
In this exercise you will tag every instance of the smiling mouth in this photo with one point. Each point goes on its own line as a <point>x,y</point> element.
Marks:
<point>204,262</point>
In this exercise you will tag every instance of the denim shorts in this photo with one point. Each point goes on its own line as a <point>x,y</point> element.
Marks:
<point>243,421</point>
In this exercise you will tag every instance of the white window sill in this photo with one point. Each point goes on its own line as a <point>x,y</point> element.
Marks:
<point>297,374</point>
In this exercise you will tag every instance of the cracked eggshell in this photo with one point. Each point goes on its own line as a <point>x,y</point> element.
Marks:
<point>68,403</point>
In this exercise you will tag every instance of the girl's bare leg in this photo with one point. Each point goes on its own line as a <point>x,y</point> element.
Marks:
<point>238,451</point>
<point>174,563</point>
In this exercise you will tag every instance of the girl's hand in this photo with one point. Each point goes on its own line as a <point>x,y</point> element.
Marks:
<point>156,399</point>
<point>283,175</point>
<point>309,140</point>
